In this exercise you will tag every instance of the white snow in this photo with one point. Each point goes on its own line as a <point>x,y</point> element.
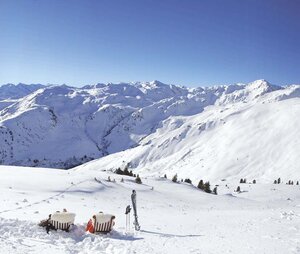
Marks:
<point>61,126</point>
<point>256,141</point>
<point>174,217</point>
<point>220,134</point>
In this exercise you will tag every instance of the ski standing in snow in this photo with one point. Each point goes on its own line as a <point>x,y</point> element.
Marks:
<point>133,199</point>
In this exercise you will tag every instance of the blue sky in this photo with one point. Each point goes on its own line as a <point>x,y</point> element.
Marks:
<point>191,42</point>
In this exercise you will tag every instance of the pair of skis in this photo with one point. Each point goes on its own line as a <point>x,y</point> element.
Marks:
<point>127,213</point>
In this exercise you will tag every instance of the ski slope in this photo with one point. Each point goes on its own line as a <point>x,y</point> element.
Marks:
<point>174,217</point>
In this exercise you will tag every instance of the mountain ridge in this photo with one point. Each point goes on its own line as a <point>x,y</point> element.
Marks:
<point>62,126</point>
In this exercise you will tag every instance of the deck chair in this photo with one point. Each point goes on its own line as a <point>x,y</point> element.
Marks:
<point>101,223</point>
<point>62,220</point>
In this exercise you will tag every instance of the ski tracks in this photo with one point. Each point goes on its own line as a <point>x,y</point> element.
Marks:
<point>53,197</point>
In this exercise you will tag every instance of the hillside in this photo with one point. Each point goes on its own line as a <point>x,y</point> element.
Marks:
<point>247,140</point>
<point>216,132</point>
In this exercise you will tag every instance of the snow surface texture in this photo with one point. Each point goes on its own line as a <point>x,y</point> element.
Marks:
<point>174,217</point>
<point>215,132</point>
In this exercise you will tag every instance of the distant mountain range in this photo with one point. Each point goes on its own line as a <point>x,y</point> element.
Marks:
<point>218,130</point>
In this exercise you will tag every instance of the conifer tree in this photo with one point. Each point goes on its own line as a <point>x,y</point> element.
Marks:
<point>126,172</point>
<point>207,187</point>
<point>201,185</point>
<point>188,180</point>
<point>238,189</point>
<point>138,179</point>
<point>215,191</point>
<point>119,171</point>
<point>174,179</point>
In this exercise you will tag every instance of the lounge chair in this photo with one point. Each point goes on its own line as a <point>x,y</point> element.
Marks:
<point>101,223</point>
<point>62,220</point>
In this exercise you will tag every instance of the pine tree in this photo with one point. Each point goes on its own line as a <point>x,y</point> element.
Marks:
<point>297,183</point>
<point>119,171</point>
<point>122,180</point>
<point>188,180</point>
<point>275,181</point>
<point>215,191</point>
<point>201,185</point>
<point>279,180</point>
<point>254,181</point>
<point>207,187</point>
<point>241,181</point>
<point>165,176</point>
<point>245,180</point>
<point>138,179</point>
<point>108,179</point>
<point>174,179</point>
<point>238,189</point>
<point>126,172</point>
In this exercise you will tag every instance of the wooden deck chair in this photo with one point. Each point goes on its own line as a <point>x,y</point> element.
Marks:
<point>62,220</point>
<point>101,223</point>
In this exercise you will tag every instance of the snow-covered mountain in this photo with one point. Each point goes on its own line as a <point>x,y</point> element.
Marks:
<point>242,129</point>
<point>11,91</point>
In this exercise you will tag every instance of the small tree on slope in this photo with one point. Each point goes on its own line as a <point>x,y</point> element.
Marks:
<point>207,187</point>
<point>174,179</point>
<point>138,179</point>
<point>201,185</point>
<point>188,180</point>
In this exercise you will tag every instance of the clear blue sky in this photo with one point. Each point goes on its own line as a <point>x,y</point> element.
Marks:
<point>188,42</point>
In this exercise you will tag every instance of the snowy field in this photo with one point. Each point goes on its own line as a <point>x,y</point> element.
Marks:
<point>174,218</point>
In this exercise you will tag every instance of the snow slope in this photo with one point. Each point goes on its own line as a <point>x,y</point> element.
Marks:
<point>255,140</point>
<point>61,126</point>
<point>174,218</point>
